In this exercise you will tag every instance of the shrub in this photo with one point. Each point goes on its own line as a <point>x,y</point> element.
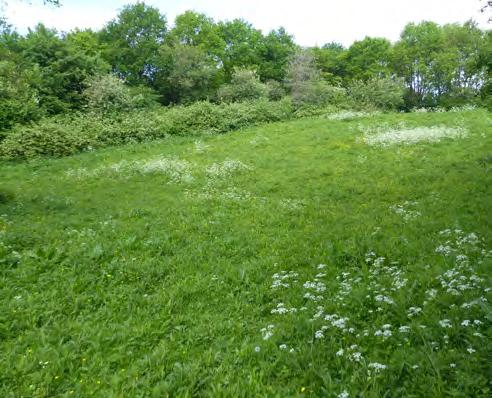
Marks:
<point>382,93</point>
<point>56,136</point>
<point>18,100</point>
<point>143,97</point>
<point>67,135</point>
<point>306,85</point>
<point>107,93</point>
<point>245,85</point>
<point>275,90</point>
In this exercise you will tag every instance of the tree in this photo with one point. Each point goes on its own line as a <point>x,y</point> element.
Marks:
<point>368,58</point>
<point>62,69</point>
<point>242,46</point>
<point>441,63</point>
<point>130,42</point>
<point>305,83</point>
<point>329,60</point>
<point>18,99</point>
<point>185,74</point>
<point>274,53</point>
<point>197,30</point>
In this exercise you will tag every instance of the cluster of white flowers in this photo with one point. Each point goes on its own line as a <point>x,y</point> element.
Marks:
<point>385,331</point>
<point>327,303</point>
<point>414,311</point>
<point>226,169</point>
<point>409,136</point>
<point>291,204</point>
<point>318,287</point>
<point>267,332</point>
<point>376,366</point>
<point>405,210</point>
<point>343,394</point>
<point>282,309</point>
<point>445,323</point>
<point>178,170</point>
<point>348,115</point>
<point>281,279</point>
<point>200,146</point>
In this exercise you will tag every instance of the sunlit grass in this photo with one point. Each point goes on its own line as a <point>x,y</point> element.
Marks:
<point>284,260</point>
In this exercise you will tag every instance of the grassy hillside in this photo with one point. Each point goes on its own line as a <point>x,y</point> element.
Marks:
<point>319,257</point>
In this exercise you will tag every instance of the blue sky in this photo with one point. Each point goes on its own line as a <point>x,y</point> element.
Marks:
<point>310,21</point>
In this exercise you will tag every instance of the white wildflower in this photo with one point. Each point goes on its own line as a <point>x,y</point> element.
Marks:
<point>377,366</point>
<point>445,323</point>
<point>414,311</point>
<point>408,136</point>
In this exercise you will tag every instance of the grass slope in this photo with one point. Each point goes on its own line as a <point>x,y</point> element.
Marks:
<point>147,270</point>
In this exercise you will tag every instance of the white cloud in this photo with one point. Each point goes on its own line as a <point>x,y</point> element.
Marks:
<point>310,21</point>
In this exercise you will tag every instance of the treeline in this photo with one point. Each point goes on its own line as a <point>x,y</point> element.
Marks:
<point>137,61</point>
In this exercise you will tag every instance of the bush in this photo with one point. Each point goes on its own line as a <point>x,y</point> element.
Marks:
<point>275,90</point>
<point>381,93</point>
<point>18,100</point>
<point>245,85</point>
<point>108,94</point>
<point>67,135</point>
<point>56,136</point>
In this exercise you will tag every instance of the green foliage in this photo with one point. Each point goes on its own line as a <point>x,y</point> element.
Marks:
<point>62,69</point>
<point>185,74</point>
<point>330,61</point>
<point>245,85</point>
<point>275,51</point>
<point>367,59</point>
<point>197,30</point>
<point>381,93</point>
<point>441,62</point>
<point>242,46</point>
<point>18,100</point>
<point>56,136</point>
<point>45,72</point>
<point>69,134</point>
<point>130,42</point>
<point>275,90</point>
<point>107,93</point>
<point>306,85</point>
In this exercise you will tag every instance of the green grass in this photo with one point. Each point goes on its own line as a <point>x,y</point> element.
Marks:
<point>116,282</point>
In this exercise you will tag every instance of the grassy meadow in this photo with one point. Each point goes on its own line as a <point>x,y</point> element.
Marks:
<point>294,259</point>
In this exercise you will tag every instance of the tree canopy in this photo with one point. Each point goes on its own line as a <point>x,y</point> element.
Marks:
<point>46,72</point>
